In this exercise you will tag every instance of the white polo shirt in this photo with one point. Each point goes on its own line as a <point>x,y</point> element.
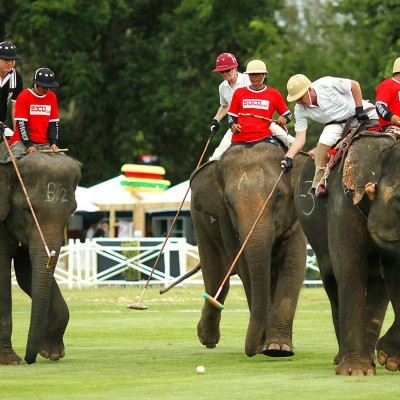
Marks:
<point>226,92</point>
<point>335,103</point>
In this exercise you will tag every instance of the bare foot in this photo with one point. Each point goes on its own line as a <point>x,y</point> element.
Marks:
<point>312,152</point>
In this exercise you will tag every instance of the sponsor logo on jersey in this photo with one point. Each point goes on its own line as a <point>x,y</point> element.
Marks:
<point>256,103</point>
<point>40,109</point>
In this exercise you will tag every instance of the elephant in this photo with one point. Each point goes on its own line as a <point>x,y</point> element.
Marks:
<point>50,181</point>
<point>227,197</point>
<point>355,236</point>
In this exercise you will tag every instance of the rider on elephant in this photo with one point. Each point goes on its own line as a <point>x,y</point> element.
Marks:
<point>388,99</point>
<point>11,82</point>
<point>331,101</point>
<point>36,116</point>
<point>252,108</point>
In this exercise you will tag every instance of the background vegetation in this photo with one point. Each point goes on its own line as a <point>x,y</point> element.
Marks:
<point>136,75</point>
<point>116,353</point>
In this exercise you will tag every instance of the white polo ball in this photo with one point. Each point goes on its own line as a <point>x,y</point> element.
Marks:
<point>200,369</point>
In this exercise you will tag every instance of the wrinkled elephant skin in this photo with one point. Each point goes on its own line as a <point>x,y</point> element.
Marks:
<point>227,197</point>
<point>356,246</point>
<point>50,181</point>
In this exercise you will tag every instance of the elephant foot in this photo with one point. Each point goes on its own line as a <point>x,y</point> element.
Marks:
<point>278,349</point>
<point>388,351</point>
<point>355,367</point>
<point>10,358</point>
<point>52,351</point>
<point>209,336</point>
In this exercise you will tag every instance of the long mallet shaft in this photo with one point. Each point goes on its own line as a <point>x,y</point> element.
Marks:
<point>213,300</point>
<point>49,254</point>
<point>138,306</point>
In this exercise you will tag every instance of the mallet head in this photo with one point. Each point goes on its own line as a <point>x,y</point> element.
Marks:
<point>136,307</point>
<point>214,302</point>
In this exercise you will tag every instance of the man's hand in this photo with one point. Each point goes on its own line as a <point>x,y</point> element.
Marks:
<point>31,149</point>
<point>286,164</point>
<point>281,121</point>
<point>235,128</point>
<point>361,115</point>
<point>214,126</point>
<point>395,120</point>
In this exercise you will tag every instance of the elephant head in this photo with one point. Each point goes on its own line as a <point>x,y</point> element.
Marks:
<point>227,197</point>
<point>384,217</point>
<point>49,182</point>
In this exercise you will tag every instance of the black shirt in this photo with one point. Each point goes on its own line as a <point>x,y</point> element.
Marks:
<point>11,88</point>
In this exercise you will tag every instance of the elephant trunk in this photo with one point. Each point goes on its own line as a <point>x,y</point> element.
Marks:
<point>42,280</point>
<point>258,258</point>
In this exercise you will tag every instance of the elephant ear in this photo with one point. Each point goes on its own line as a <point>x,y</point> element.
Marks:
<point>209,193</point>
<point>5,192</point>
<point>363,164</point>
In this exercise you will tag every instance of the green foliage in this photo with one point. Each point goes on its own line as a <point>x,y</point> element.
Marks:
<point>130,273</point>
<point>136,75</point>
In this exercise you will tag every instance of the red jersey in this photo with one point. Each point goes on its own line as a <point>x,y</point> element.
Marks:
<point>388,93</point>
<point>262,103</point>
<point>38,111</point>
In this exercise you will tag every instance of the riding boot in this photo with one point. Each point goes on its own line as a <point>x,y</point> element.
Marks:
<point>321,159</point>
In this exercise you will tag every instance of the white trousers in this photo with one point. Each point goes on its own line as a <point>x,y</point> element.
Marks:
<point>332,133</point>
<point>226,141</point>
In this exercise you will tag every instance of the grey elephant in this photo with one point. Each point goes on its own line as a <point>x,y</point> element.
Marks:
<point>50,181</point>
<point>227,197</point>
<point>355,234</point>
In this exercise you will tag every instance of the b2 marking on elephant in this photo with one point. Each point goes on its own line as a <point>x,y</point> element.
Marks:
<point>56,192</point>
<point>242,179</point>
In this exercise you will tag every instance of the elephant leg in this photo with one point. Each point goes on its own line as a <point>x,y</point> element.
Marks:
<point>289,280</point>
<point>388,346</point>
<point>7,353</point>
<point>58,314</point>
<point>214,266</point>
<point>377,302</point>
<point>57,321</point>
<point>352,275</point>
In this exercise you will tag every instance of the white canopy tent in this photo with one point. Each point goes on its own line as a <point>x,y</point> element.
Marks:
<point>111,196</point>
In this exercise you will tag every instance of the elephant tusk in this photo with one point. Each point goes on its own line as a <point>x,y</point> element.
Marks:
<point>370,190</point>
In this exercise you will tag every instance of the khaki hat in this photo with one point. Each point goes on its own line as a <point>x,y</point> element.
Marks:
<point>297,85</point>
<point>256,67</point>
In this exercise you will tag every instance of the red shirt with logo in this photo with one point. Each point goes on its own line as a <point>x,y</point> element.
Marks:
<point>261,103</point>
<point>38,111</point>
<point>388,93</point>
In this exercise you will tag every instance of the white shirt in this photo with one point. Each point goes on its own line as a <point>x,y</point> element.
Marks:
<point>335,103</point>
<point>226,92</point>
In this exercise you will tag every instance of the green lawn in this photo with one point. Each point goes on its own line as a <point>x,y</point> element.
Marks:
<point>116,353</point>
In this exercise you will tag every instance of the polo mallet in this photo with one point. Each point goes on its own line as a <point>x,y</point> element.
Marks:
<point>213,300</point>
<point>259,117</point>
<point>138,306</point>
<point>52,151</point>
<point>50,254</point>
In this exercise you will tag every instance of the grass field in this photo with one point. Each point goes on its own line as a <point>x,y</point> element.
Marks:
<point>116,353</point>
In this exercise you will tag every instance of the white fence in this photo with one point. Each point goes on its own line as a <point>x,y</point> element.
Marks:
<point>105,261</point>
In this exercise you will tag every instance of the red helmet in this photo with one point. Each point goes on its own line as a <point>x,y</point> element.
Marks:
<point>225,62</point>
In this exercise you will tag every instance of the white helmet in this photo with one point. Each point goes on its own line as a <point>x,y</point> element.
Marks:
<point>297,85</point>
<point>256,67</point>
<point>396,66</point>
